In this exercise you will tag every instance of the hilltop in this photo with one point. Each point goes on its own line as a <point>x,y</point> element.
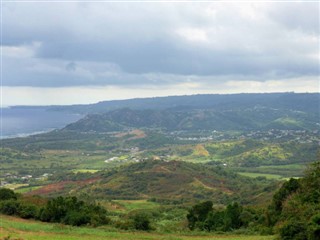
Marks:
<point>173,181</point>
<point>288,100</point>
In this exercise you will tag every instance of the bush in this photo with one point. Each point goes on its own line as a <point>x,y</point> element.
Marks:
<point>73,212</point>
<point>28,211</point>
<point>76,218</point>
<point>314,228</point>
<point>198,214</point>
<point>232,216</point>
<point>7,194</point>
<point>293,230</point>
<point>9,207</point>
<point>125,225</point>
<point>141,221</point>
<point>44,215</point>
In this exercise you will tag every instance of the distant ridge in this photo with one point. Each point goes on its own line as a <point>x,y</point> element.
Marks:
<point>204,112</point>
<point>302,101</point>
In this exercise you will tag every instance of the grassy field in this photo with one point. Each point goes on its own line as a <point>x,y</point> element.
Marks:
<point>286,166</point>
<point>254,175</point>
<point>85,171</point>
<point>17,228</point>
<point>27,189</point>
<point>130,205</point>
<point>16,186</point>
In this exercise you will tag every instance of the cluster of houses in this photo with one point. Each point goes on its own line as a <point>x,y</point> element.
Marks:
<point>9,178</point>
<point>300,136</point>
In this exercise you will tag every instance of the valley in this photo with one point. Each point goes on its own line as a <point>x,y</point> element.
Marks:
<point>163,161</point>
<point>159,120</point>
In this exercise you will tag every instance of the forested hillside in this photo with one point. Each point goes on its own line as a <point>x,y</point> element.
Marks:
<point>206,112</point>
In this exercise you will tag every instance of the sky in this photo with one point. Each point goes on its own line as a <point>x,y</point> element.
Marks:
<point>69,52</point>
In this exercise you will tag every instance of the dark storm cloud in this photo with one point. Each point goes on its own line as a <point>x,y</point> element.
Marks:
<point>69,44</point>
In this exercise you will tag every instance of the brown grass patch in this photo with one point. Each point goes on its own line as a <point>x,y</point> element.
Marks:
<point>136,132</point>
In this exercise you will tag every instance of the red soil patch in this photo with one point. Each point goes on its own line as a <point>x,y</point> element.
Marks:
<point>137,134</point>
<point>59,186</point>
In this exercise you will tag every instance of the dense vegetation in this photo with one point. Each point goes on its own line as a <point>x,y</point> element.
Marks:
<point>209,112</point>
<point>254,118</point>
<point>296,207</point>
<point>66,210</point>
<point>294,212</point>
<point>175,182</point>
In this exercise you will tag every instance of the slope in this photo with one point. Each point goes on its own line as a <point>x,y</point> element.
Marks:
<point>174,182</point>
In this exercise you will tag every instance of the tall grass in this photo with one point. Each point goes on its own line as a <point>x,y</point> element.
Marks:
<point>16,228</point>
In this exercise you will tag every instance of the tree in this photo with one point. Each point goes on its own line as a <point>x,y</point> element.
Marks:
<point>286,190</point>
<point>299,218</point>
<point>232,218</point>
<point>293,230</point>
<point>71,211</point>
<point>214,221</point>
<point>6,194</point>
<point>28,210</point>
<point>141,221</point>
<point>9,207</point>
<point>76,218</point>
<point>198,214</point>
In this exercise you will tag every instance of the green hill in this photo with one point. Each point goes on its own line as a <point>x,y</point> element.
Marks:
<point>174,182</point>
<point>306,102</point>
<point>251,118</point>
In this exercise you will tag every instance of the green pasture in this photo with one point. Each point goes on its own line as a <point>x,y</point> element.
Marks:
<point>254,175</point>
<point>15,228</point>
<point>27,189</point>
<point>130,205</point>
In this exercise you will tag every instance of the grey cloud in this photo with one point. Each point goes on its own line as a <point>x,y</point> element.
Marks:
<point>164,57</point>
<point>71,67</point>
<point>300,16</point>
<point>117,44</point>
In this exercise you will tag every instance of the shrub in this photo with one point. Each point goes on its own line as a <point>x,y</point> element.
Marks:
<point>73,212</point>
<point>293,230</point>
<point>9,207</point>
<point>6,194</point>
<point>198,213</point>
<point>125,225</point>
<point>76,218</point>
<point>232,216</point>
<point>141,221</point>
<point>314,228</point>
<point>27,211</point>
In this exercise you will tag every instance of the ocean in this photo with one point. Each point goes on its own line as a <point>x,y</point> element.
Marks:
<point>24,121</point>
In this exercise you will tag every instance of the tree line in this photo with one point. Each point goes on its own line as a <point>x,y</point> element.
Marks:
<point>294,213</point>
<point>66,210</point>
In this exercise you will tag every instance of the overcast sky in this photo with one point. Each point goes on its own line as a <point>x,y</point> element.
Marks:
<point>68,52</point>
